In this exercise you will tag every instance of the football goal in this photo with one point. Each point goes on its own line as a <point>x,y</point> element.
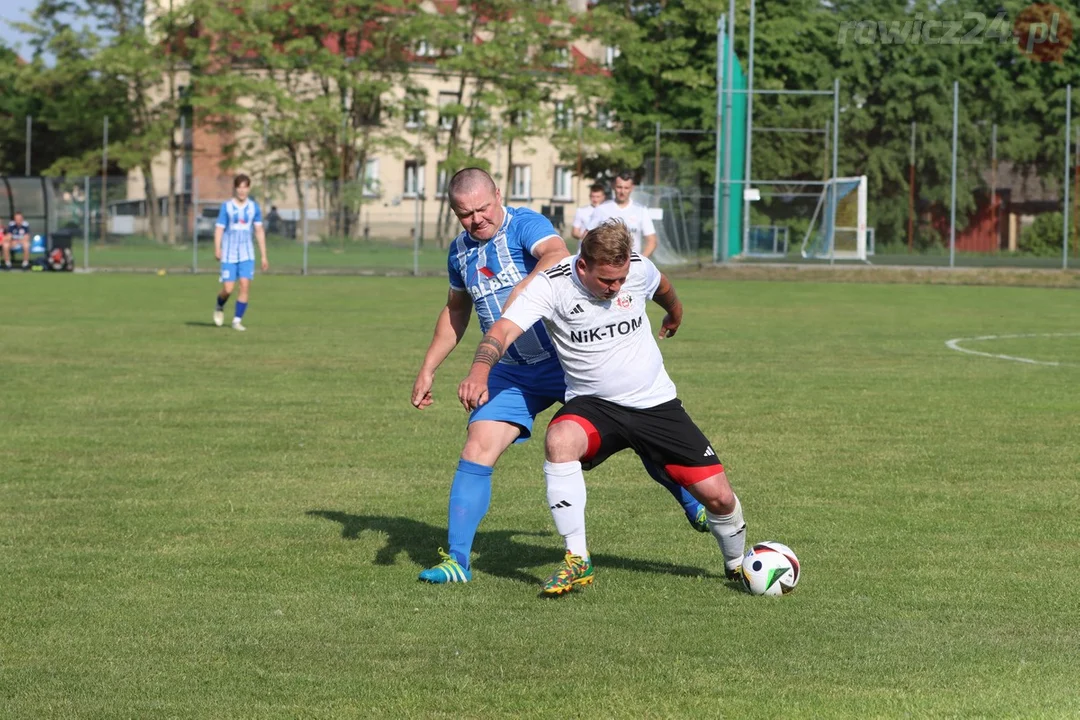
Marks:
<point>838,226</point>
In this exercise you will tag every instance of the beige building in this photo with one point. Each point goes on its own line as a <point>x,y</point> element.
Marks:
<point>404,192</point>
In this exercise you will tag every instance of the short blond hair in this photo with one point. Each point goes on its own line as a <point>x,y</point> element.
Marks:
<point>607,244</point>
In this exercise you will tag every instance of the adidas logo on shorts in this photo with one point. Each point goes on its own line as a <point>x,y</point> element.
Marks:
<point>577,309</point>
<point>709,452</point>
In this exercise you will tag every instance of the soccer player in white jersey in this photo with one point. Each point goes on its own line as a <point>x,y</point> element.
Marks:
<point>634,215</point>
<point>597,195</point>
<point>499,250</point>
<point>240,218</point>
<point>618,393</point>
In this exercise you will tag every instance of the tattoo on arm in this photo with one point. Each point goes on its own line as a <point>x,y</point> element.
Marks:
<point>489,351</point>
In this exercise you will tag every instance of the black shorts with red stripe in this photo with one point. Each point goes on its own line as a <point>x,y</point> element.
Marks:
<point>664,435</point>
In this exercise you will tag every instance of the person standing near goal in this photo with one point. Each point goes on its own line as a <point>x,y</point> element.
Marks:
<point>634,215</point>
<point>618,393</point>
<point>240,218</point>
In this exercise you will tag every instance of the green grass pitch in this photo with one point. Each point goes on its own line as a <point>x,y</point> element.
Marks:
<point>201,523</point>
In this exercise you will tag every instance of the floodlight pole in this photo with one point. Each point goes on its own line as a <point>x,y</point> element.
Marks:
<point>29,132</point>
<point>1065,204</point>
<point>720,25</point>
<point>749,134</point>
<point>952,198</point>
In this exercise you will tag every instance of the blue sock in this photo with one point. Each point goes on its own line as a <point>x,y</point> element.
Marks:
<point>470,496</point>
<point>689,503</point>
<point>240,308</point>
<point>221,302</point>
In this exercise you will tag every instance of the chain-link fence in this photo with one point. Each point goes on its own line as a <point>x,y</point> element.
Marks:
<point>1009,198</point>
<point>311,227</point>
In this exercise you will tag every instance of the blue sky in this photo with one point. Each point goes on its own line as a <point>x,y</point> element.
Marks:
<point>15,10</point>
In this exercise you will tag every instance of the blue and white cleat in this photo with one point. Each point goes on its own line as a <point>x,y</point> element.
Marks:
<point>447,571</point>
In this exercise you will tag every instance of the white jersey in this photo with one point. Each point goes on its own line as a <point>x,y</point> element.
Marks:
<point>581,217</point>
<point>634,216</point>
<point>606,347</point>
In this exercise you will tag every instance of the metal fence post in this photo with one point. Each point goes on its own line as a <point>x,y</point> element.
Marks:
<point>195,225</point>
<point>303,224</point>
<point>86,222</point>
<point>952,199</point>
<point>1065,208</point>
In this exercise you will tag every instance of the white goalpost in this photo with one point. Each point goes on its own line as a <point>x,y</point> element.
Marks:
<point>837,229</point>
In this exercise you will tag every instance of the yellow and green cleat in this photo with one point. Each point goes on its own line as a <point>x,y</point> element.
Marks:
<point>576,570</point>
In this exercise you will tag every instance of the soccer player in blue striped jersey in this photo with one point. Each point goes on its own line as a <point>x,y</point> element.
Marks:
<point>239,220</point>
<point>489,263</point>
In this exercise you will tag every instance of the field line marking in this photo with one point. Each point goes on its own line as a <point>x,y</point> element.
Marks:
<point>954,344</point>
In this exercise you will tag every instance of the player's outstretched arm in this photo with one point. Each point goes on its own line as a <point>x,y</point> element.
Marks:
<point>666,298</point>
<point>449,329</point>
<point>547,254</point>
<point>473,390</point>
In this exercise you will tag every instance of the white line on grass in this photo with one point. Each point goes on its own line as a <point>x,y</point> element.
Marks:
<point>954,344</point>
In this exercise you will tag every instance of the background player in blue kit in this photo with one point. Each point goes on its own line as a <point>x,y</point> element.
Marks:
<point>500,248</point>
<point>240,219</point>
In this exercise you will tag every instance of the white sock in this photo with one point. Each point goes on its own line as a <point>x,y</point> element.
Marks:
<point>730,534</point>
<point>566,498</point>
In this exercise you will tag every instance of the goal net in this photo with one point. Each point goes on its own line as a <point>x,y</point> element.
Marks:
<point>838,227</point>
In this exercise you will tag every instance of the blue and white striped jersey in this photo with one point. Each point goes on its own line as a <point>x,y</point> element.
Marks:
<point>489,270</point>
<point>239,222</point>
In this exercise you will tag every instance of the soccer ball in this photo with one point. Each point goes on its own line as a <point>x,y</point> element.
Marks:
<point>770,568</point>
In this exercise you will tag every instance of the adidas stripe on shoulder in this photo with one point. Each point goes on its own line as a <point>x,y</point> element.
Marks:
<point>634,257</point>
<point>558,271</point>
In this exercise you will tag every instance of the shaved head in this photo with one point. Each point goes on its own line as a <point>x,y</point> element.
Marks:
<point>470,180</point>
<point>477,202</point>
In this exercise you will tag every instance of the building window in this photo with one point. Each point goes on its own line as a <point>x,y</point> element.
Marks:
<point>414,109</point>
<point>564,183</point>
<point>446,121</point>
<point>521,182</point>
<point>414,178</point>
<point>441,179</point>
<point>610,53</point>
<point>564,114</point>
<point>371,178</point>
<point>562,58</point>
<point>605,118</point>
<point>521,119</point>
<point>481,121</point>
<point>424,49</point>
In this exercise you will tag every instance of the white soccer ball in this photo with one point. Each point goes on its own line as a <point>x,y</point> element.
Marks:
<point>770,568</point>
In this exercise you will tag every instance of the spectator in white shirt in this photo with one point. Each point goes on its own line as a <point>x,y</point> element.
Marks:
<point>597,195</point>
<point>634,215</point>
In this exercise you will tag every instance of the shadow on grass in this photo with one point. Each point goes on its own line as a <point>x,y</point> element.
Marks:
<point>193,323</point>
<point>495,552</point>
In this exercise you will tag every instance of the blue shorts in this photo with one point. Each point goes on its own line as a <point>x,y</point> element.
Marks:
<point>231,272</point>
<point>518,393</point>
